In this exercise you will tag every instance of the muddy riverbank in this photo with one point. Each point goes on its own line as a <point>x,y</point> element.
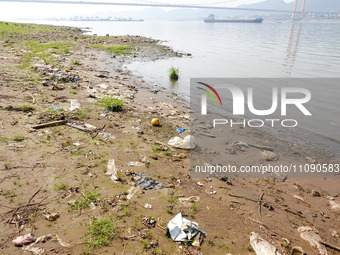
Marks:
<point>78,182</point>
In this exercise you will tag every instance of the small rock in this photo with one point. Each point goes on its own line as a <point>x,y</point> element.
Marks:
<point>269,156</point>
<point>147,206</point>
<point>315,193</point>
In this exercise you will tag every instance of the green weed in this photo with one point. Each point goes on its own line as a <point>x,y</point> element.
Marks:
<point>112,104</point>
<point>117,50</point>
<point>101,232</point>
<point>173,73</point>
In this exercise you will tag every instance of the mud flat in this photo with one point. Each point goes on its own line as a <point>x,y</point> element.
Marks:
<point>74,180</point>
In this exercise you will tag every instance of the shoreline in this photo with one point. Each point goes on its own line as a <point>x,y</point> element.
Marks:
<point>63,160</point>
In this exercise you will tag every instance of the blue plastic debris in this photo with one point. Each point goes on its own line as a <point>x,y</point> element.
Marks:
<point>75,78</point>
<point>243,144</point>
<point>180,130</point>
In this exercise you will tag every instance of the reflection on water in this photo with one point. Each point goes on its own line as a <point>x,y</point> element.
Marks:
<point>293,46</point>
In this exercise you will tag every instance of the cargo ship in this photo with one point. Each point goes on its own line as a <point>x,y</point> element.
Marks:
<point>211,19</point>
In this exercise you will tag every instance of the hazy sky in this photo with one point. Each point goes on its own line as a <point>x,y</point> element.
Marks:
<point>14,10</point>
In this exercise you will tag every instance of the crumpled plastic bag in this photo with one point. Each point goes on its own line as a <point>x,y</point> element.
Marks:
<point>187,143</point>
<point>182,229</point>
<point>261,246</point>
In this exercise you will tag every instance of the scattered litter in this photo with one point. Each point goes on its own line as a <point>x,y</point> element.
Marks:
<point>106,136</point>
<point>147,206</point>
<point>155,122</point>
<point>299,198</point>
<point>243,144</point>
<point>148,183</point>
<point>296,250</point>
<point>51,216</point>
<point>76,144</point>
<point>56,108</point>
<point>135,163</point>
<point>74,105</point>
<point>191,199</point>
<point>269,156</point>
<point>187,143</point>
<point>92,206</point>
<point>145,160</point>
<point>37,250</point>
<point>16,145</point>
<point>62,243</point>
<point>132,191</point>
<point>334,206</point>
<point>136,128</point>
<point>188,201</point>
<point>149,221</point>
<point>334,233</point>
<point>200,184</point>
<point>70,124</point>
<point>112,170</point>
<point>261,246</point>
<point>311,160</point>
<point>310,235</point>
<point>182,230</point>
<point>25,239</point>
<point>180,130</point>
<point>75,78</point>
<point>103,86</point>
<point>34,250</point>
<point>89,126</point>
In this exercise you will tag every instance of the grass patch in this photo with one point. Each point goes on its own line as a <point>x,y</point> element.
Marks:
<point>101,232</point>
<point>27,107</point>
<point>112,104</point>
<point>173,73</point>
<point>85,201</point>
<point>60,186</point>
<point>18,138</point>
<point>156,148</point>
<point>76,62</point>
<point>117,50</point>
<point>57,47</point>
<point>7,193</point>
<point>24,29</point>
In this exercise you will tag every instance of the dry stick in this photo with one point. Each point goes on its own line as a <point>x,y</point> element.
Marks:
<point>250,199</point>
<point>264,225</point>
<point>29,201</point>
<point>261,147</point>
<point>48,124</point>
<point>27,204</point>
<point>33,98</point>
<point>1,125</point>
<point>260,203</point>
<point>160,226</point>
<point>98,131</point>
<point>19,207</point>
<point>35,212</point>
<point>330,245</point>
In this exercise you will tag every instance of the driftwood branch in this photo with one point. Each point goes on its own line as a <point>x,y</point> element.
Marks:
<point>49,124</point>
<point>261,147</point>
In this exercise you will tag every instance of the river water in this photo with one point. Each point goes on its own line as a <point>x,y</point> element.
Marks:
<point>222,50</point>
